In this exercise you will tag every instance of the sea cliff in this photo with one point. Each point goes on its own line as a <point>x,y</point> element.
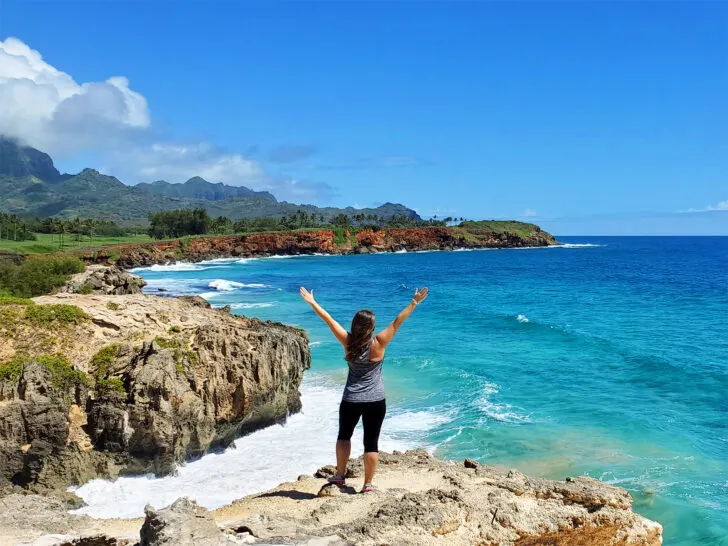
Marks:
<point>99,385</point>
<point>367,241</point>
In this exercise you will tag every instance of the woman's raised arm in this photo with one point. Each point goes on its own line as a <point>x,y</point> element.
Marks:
<point>386,335</point>
<point>340,334</point>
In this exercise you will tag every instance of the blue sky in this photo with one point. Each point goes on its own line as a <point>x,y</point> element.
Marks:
<point>584,117</point>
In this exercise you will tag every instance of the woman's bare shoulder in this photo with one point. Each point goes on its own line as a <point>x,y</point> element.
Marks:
<point>376,352</point>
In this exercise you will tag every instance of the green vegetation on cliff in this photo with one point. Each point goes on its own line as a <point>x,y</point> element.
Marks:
<point>181,352</point>
<point>522,229</point>
<point>100,363</point>
<point>36,276</point>
<point>63,375</point>
<point>12,300</point>
<point>51,315</point>
<point>10,371</point>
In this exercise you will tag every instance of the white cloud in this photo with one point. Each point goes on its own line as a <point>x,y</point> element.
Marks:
<point>177,163</point>
<point>47,109</point>
<point>721,205</point>
<point>529,213</point>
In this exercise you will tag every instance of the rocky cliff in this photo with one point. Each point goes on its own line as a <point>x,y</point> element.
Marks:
<point>96,385</point>
<point>323,242</point>
<point>419,501</point>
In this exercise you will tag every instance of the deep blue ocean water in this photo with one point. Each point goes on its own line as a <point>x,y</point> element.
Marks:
<point>607,358</point>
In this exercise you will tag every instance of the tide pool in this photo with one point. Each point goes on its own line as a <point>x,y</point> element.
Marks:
<point>606,357</point>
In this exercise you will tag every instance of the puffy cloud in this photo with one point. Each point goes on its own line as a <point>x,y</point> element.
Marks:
<point>529,213</point>
<point>49,110</point>
<point>177,163</point>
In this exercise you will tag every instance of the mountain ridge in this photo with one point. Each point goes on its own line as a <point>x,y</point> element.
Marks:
<point>30,185</point>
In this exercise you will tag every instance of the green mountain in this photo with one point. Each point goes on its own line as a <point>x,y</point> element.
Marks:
<point>30,185</point>
<point>199,188</point>
<point>21,161</point>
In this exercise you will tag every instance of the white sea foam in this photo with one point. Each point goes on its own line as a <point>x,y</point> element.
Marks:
<point>522,318</point>
<point>228,286</point>
<point>219,261</point>
<point>225,286</point>
<point>401,251</point>
<point>258,461</point>
<point>173,287</point>
<point>176,266</point>
<point>577,245</point>
<point>451,438</point>
<point>505,413</point>
<point>409,422</point>
<point>251,305</point>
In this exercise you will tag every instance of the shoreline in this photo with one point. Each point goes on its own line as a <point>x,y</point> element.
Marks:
<point>232,259</point>
<point>420,501</point>
<point>403,486</point>
<point>320,242</point>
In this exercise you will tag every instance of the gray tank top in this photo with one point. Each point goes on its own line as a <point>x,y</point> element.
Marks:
<point>364,382</point>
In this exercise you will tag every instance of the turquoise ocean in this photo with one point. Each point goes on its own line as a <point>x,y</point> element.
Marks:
<point>607,356</point>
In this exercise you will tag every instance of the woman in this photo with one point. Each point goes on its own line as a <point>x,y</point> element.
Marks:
<point>364,392</point>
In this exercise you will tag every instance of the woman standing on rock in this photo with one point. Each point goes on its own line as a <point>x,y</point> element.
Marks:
<point>364,392</point>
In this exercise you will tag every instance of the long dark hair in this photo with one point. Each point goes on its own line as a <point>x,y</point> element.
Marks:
<point>362,329</point>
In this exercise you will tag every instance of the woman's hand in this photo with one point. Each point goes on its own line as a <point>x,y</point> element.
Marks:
<point>420,295</point>
<point>307,296</point>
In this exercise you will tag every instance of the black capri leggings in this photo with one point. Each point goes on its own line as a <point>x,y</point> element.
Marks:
<point>372,416</point>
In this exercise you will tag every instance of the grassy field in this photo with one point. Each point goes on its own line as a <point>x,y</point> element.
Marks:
<point>522,229</point>
<point>47,243</point>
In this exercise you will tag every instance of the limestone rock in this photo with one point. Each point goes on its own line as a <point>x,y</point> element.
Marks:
<point>101,279</point>
<point>184,523</point>
<point>424,501</point>
<point>167,390</point>
<point>420,501</point>
<point>197,301</point>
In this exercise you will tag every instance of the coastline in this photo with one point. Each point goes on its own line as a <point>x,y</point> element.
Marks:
<point>135,524</point>
<point>421,501</point>
<point>313,242</point>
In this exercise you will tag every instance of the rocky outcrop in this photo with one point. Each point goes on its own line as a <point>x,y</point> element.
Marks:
<point>419,501</point>
<point>319,242</point>
<point>184,522</point>
<point>98,279</point>
<point>205,248</point>
<point>441,238</point>
<point>134,383</point>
